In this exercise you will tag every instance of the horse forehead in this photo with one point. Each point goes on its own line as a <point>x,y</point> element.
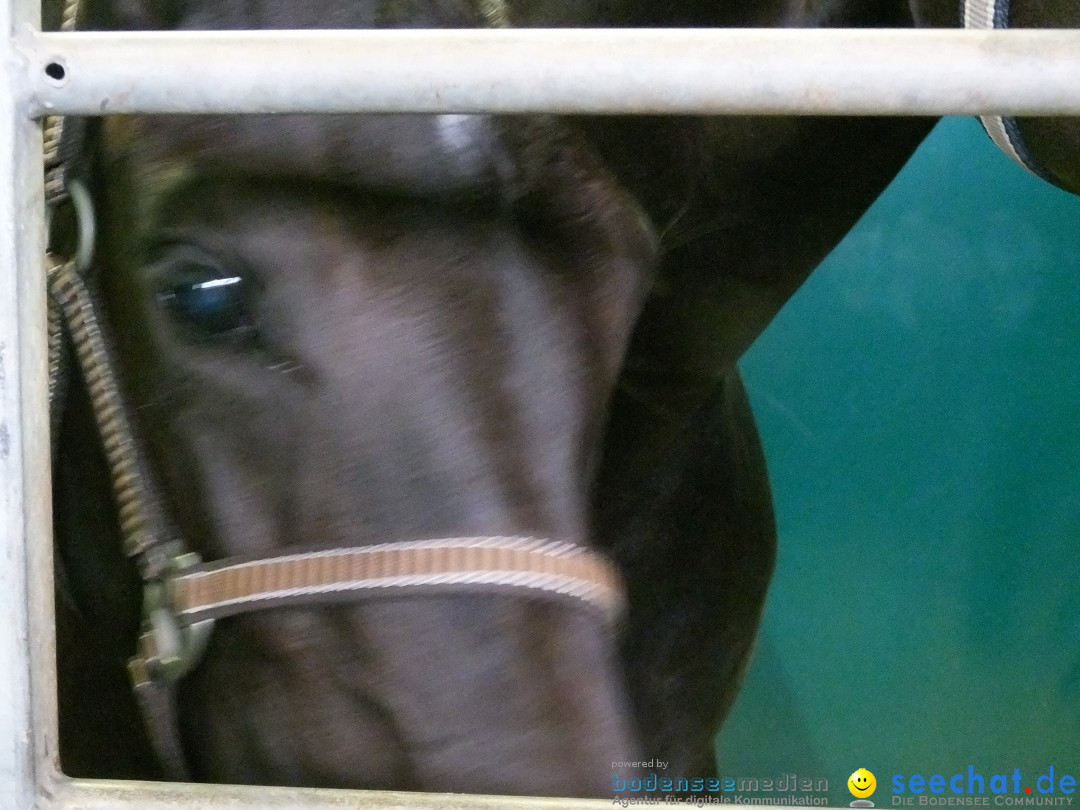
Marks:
<point>284,14</point>
<point>408,155</point>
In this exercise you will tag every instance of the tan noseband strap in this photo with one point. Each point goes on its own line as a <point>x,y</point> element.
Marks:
<point>181,607</point>
<point>486,565</point>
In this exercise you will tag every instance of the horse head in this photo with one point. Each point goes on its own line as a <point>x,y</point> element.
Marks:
<point>346,330</point>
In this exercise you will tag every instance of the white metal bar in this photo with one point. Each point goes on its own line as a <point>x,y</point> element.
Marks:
<point>747,71</point>
<point>27,716</point>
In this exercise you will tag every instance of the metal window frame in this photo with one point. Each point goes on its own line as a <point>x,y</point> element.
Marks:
<point>738,72</point>
<point>735,71</point>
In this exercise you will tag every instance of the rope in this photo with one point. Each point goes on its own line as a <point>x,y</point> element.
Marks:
<point>139,527</point>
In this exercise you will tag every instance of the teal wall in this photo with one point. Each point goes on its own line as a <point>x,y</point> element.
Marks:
<point>919,402</point>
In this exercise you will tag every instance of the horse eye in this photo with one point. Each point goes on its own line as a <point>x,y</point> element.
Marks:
<point>206,300</point>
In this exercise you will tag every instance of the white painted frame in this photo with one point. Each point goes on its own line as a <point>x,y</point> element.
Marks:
<point>771,72</point>
<point>732,71</point>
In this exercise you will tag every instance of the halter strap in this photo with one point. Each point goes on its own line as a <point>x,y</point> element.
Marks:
<point>989,15</point>
<point>486,564</point>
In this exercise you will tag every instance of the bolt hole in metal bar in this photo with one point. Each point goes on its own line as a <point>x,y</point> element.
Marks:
<point>56,72</point>
<point>759,72</point>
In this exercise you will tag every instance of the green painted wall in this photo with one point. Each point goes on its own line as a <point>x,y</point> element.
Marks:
<point>919,402</point>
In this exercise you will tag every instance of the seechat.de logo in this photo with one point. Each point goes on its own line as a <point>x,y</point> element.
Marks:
<point>975,789</point>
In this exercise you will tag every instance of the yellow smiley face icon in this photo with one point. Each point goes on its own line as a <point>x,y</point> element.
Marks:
<point>862,783</point>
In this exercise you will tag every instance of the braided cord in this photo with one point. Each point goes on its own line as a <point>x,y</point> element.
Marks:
<point>495,13</point>
<point>55,184</point>
<point>59,369</point>
<point>71,298</point>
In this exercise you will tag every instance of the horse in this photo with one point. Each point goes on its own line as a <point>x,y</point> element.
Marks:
<point>348,330</point>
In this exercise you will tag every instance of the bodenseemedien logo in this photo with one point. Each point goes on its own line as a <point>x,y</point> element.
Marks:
<point>862,785</point>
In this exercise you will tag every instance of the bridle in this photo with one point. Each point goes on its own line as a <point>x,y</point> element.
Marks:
<point>182,594</point>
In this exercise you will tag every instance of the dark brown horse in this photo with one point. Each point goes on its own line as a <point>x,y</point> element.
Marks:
<point>441,326</point>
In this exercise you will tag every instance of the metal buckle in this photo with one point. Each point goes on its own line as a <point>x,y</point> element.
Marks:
<point>85,224</point>
<point>169,648</point>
